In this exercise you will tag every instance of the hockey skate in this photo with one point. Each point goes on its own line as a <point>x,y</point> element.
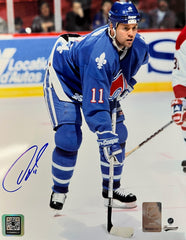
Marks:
<point>184,165</point>
<point>121,198</point>
<point>57,201</point>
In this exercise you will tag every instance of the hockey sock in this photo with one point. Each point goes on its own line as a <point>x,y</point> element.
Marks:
<point>62,169</point>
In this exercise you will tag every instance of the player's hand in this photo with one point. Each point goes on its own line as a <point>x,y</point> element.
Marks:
<point>111,147</point>
<point>178,110</point>
<point>130,88</point>
<point>125,93</point>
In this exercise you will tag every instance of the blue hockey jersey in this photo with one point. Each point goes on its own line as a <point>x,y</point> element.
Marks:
<point>89,70</point>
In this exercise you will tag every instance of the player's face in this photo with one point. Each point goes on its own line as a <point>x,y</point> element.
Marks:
<point>125,34</point>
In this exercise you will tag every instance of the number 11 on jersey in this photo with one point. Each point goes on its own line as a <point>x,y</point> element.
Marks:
<point>94,92</point>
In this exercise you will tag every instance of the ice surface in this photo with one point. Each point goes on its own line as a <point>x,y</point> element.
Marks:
<point>153,172</point>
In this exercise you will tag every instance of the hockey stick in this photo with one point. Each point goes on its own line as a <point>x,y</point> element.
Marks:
<point>125,232</point>
<point>149,138</point>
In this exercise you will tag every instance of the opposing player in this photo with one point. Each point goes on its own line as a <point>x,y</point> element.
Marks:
<point>88,72</point>
<point>179,85</point>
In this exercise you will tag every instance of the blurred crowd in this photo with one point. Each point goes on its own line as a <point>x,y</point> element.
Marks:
<point>155,14</point>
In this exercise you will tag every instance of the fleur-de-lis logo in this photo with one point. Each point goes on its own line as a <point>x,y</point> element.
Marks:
<point>60,48</point>
<point>130,9</point>
<point>101,60</point>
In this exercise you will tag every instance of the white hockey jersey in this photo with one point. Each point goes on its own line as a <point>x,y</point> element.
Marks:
<point>179,71</point>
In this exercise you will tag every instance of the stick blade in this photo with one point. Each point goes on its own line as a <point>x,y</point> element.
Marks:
<point>125,232</point>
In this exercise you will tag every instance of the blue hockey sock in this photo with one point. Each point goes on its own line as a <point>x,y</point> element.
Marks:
<point>62,169</point>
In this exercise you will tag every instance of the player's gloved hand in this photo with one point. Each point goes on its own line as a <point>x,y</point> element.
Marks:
<point>129,89</point>
<point>125,93</point>
<point>111,147</point>
<point>178,110</point>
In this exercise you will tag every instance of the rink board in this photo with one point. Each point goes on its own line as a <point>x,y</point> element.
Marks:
<point>23,60</point>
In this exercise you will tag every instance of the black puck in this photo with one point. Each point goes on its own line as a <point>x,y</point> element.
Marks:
<point>170,220</point>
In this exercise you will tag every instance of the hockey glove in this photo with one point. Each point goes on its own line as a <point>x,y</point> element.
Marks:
<point>179,110</point>
<point>129,89</point>
<point>109,142</point>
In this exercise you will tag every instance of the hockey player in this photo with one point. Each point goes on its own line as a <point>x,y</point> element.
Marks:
<point>87,72</point>
<point>179,85</point>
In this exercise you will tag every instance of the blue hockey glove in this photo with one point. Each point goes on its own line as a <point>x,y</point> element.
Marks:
<point>129,89</point>
<point>126,92</point>
<point>109,142</point>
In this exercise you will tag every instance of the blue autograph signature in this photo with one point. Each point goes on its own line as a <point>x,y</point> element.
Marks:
<point>30,169</point>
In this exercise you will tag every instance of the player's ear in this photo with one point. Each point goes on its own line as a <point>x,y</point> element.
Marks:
<point>112,30</point>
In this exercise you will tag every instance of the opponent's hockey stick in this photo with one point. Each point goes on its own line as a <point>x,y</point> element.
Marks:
<point>125,232</point>
<point>149,138</point>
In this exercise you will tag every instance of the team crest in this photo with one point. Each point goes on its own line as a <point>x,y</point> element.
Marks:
<point>118,85</point>
<point>101,60</point>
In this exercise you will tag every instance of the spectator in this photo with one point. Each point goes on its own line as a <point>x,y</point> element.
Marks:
<point>101,18</point>
<point>162,17</point>
<point>77,20</point>
<point>19,25</point>
<point>145,17</point>
<point>45,21</point>
<point>3,26</point>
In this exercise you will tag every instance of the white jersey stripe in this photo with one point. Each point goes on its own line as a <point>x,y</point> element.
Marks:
<point>57,86</point>
<point>60,180</point>
<point>62,168</point>
<point>52,110</point>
